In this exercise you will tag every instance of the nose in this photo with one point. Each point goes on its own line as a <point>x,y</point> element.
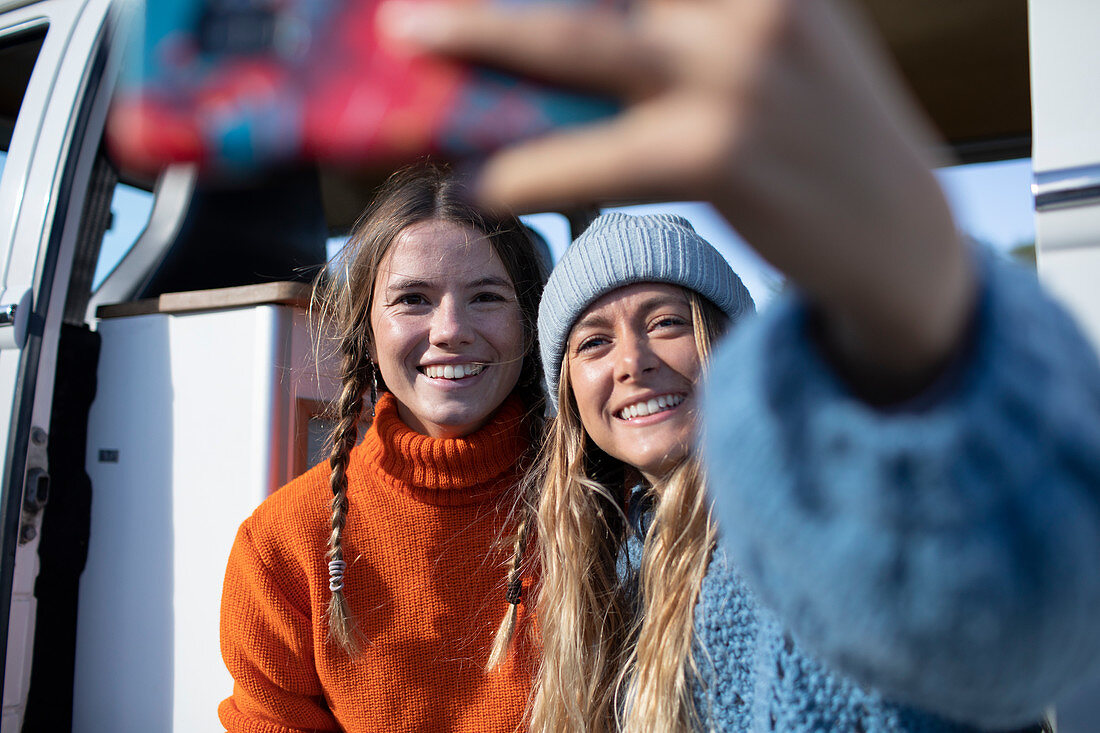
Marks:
<point>634,357</point>
<point>451,326</point>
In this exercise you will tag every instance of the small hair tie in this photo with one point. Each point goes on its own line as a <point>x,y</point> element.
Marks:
<point>336,575</point>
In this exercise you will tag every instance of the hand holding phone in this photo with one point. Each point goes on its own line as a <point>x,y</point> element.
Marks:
<point>779,112</point>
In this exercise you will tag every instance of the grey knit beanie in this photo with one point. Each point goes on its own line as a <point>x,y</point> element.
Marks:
<point>618,249</point>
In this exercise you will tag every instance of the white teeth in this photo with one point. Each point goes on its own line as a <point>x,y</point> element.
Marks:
<point>650,407</point>
<point>453,371</point>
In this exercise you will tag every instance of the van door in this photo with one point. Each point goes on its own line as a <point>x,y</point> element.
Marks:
<point>53,99</point>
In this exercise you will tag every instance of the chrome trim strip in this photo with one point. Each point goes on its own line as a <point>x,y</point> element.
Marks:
<point>1066,187</point>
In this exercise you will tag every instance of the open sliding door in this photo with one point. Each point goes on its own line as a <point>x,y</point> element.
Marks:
<point>52,116</point>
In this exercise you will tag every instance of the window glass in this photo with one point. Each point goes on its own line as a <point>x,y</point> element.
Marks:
<point>993,205</point>
<point>130,210</point>
<point>18,54</point>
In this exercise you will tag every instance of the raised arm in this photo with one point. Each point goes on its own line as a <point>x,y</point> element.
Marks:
<point>781,113</point>
<point>945,551</point>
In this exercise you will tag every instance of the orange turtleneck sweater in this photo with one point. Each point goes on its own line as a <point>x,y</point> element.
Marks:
<point>425,581</point>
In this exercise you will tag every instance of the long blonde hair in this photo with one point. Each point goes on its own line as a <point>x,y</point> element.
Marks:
<point>611,662</point>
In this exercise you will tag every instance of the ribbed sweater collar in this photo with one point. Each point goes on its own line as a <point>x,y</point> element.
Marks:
<point>444,471</point>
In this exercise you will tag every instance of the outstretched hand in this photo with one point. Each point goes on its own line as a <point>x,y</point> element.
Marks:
<point>779,112</point>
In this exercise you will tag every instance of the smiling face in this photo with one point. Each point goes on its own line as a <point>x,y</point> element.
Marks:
<point>448,336</point>
<point>633,365</point>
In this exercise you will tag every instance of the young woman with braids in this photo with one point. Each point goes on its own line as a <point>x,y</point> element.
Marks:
<point>363,596</point>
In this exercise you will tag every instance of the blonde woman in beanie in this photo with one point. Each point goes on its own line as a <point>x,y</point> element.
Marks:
<point>649,623</point>
<point>902,452</point>
<point>356,597</point>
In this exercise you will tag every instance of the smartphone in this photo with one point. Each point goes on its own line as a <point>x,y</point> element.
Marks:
<point>238,85</point>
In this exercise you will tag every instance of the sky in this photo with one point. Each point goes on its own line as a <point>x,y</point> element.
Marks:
<point>991,201</point>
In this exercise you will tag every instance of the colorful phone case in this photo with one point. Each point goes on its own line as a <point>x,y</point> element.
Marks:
<point>239,84</point>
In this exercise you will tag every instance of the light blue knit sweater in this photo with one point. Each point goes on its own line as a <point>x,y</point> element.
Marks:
<point>947,556</point>
<point>755,677</point>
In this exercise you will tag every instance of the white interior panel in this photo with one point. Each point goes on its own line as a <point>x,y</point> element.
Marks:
<point>188,432</point>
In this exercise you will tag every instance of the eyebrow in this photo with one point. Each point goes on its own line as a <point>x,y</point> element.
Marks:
<point>593,321</point>
<point>490,280</point>
<point>420,284</point>
<point>660,301</point>
<point>408,284</point>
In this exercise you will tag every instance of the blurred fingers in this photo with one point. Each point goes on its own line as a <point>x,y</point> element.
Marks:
<point>580,47</point>
<point>654,152</point>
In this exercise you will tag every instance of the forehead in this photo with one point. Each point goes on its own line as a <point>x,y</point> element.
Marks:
<point>441,251</point>
<point>630,299</point>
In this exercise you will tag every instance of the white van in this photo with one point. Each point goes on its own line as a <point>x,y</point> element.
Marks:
<point>145,412</point>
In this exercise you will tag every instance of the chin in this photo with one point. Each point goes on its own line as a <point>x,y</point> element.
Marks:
<point>659,464</point>
<point>460,418</point>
